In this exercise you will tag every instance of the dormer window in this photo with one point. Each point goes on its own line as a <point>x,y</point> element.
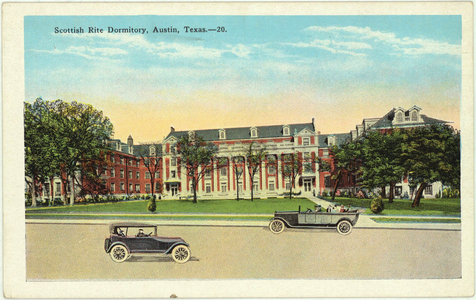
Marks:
<point>152,151</point>
<point>414,116</point>
<point>222,134</point>
<point>191,135</point>
<point>286,130</point>
<point>254,132</point>
<point>399,117</point>
<point>331,140</point>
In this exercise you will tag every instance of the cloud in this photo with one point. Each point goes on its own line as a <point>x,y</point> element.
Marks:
<point>334,46</point>
<point>409,46</point>
<point>87,52</point>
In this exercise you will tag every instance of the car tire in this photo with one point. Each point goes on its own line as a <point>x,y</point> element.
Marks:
<point>181,254</point>
<point>344,227</point>
<point>119,253</point>
<point>276,226</point>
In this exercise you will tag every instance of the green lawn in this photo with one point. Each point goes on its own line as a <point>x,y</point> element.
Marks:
<point>258,206</point>
<point>439,206</point>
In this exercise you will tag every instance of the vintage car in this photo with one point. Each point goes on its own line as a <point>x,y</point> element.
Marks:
<point>342,221</point>
<point>134,238</point>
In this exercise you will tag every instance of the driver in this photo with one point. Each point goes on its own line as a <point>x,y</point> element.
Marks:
<point>141,233</point>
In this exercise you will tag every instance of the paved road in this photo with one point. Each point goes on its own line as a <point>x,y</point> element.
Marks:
<point>74,251</point>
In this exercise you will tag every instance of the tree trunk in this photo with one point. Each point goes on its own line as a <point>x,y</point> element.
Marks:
<point>194,192</point>
<point>383,192</point>
<point>392,192</point>
<point>416,201</point>
<point>291,189</point>
<point>336,184</point>
<point>252,178</point>
<point>33,193</point>
<point>237,188</point>
<point>72,193</point>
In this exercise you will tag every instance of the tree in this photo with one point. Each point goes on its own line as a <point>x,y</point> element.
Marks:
<point>237,169</point>
<point>151,156</point>
<point>196,159</point>
<point>429,154</point>
<point>292,167</point>
<point>70,134</point>
<point>255,155</point>
<point>92,176</point>
<point>381,160</point>
<point>346,158</point>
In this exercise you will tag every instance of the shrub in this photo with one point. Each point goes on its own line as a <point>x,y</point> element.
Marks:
<point>151,206</point>
<point>376,206</point>
<point>324,194</point>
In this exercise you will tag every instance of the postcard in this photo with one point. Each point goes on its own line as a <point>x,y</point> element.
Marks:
<point>238,150</point>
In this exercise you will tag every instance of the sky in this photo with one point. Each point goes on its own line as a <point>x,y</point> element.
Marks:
<point>261,70</point>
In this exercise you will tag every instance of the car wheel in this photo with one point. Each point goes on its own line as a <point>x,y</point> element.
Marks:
<point>344,227</point>
<point>119,253</point>
<point>181,254</point>
<point>276,226</point>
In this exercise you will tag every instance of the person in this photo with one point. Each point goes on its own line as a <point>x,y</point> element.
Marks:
<point>141,233</point>
<point>329,208</point>
<point>342,208</point>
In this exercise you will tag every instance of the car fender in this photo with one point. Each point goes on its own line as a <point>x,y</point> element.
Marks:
<point>284,221</point>
<point>117,243</point>
<point>174,245</point>
<point>347,219</point>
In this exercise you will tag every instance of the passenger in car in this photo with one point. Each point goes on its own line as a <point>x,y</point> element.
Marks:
<point>141,233</point>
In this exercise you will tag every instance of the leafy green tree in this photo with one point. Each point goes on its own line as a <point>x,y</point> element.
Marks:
<point>255,155</point>
<point>196,159</point>
<point>429,154</point>
<point>292,167</point>
<point>381,160</point>
<point>71,134</point>
<point>346,160</point>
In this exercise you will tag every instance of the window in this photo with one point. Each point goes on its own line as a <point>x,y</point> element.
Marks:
<point>255,186</point>
<point>152,151</point>
<point>113,187</point>
<point>271,185</point>
<point>122,173</point>
<point>122,160</point>
<point>429,190</point>
<point>222,134</point>
<point>327,181</point>
<point>130,162</point>
<point>58,188</point>
<point>208,173</point>
<point>325,153</point>
<point>113,158</point>
<point>137,163</point>
<point>138,188</point>
<point>157,175</point>
<point>147,175</point>
<point>307,155</point>
<point>288,185</point>
<point>113,172</point>
<point>271,159</point>
<point>191,135</point>
<point>122,186</point>
<point>172,149</point>
<point>271,169</point>
<point>331,140</point>
<point>399,117</point>
<point>130,187</point>
<point>173,162</point>
<point>157,187</point>
<point>398,190</point>
<point>240,187</point>
<point>286,130</point>
<point>47,190</point>
<point>130,174</point>
<point>172,174</point>
<point>147,187</point>
<point>208,188</point>
<point>224,187</point>
<point>308,167</point>
<point>414,116</point>
<point>223,171</point>
<point>305,141</point>
<point>254,132</point>
<point>137,175</point>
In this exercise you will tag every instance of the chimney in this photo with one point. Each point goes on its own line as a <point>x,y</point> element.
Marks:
<point>130,141</point>
<point>172,129</point>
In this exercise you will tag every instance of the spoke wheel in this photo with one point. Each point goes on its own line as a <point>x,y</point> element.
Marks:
<point>276,226</point>
<point>181,254</point>
<point>119,253</point>
<point>344,227</point>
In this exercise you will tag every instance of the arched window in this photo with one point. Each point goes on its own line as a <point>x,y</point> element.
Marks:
<point>414,116</point>
<point>152,150</point>
<point>399,117</point>
<point>286,130</point>
<point>254,132</point>
<point>222,134</point>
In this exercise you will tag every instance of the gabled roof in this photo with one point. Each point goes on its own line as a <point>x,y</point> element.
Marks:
<point>243,133</point>
<point>386,121</point>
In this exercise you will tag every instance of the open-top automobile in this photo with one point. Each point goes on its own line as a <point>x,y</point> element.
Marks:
<point>127,239</point>
<point>342,221</point>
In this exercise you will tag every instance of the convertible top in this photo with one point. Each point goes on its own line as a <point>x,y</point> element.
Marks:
<point>129,224</point>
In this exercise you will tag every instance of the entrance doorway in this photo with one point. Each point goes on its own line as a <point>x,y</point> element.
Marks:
<point>174,189</point>
<point>307,185</point>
